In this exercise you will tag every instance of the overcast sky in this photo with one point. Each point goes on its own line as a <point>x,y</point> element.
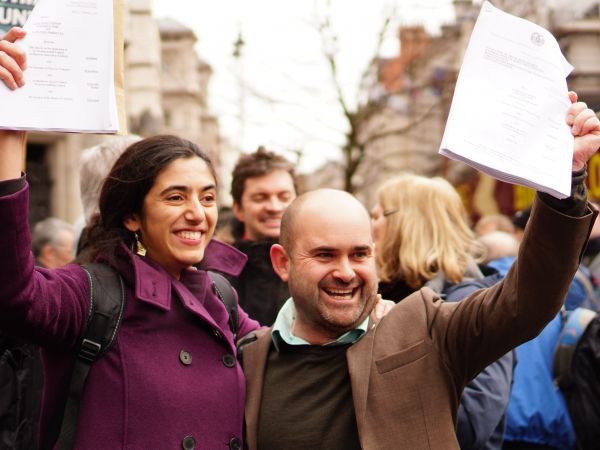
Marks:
<point>288,101</point>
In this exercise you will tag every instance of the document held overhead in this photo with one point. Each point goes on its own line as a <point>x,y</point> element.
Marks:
<point>507,117</point>
<point>69,81</point>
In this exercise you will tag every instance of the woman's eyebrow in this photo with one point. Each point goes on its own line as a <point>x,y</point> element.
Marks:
<point>185,188</point>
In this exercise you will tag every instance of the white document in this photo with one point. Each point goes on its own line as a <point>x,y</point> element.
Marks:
<point>508,112</point>
<point>69,81</point>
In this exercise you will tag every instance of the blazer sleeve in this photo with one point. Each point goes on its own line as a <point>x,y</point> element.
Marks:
<point>45,306</point>
<point>487,324</point>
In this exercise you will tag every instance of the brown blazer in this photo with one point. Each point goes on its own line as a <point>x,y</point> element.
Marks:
<point>408,370</point>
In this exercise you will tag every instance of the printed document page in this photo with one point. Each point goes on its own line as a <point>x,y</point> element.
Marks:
<point>69,81</point>
<point>508,112</point>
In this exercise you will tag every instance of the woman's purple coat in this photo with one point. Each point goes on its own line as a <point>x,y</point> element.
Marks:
<point>140,395</point>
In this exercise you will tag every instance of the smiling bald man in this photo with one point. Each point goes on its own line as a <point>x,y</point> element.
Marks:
<point>328,376</point>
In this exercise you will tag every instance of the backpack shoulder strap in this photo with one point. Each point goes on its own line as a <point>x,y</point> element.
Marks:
<point>586,283</point>
<point>224,291</point>
<point>107,303</point>
<point>574,324</point>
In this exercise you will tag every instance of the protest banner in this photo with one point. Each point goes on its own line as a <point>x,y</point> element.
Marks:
<point>14,13</point>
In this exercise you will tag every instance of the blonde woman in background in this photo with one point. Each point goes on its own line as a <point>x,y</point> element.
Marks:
<point>422,235</point>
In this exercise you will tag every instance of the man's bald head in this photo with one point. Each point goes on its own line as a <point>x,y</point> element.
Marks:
<point>326,255</point>
<point>319,202</point>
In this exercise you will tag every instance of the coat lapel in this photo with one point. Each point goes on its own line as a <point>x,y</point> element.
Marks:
<point>360,356</point>
<point>255,361</point>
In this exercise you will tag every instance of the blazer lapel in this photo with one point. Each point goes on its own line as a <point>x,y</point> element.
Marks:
<point>359,358</point>
<point>255,361</point>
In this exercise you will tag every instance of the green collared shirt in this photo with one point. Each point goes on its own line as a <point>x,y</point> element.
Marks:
<point>282,329</point>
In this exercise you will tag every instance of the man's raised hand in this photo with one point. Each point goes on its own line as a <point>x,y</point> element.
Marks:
<point>585,126</point>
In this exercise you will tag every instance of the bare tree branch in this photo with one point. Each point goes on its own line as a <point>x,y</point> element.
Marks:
<point>371,138</point>
<point>378,45</point>
<point>360,116</point>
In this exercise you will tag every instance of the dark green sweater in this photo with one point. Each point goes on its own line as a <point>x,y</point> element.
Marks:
<point>316,382</point>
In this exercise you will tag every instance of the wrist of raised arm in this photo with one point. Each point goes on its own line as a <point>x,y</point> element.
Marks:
<point>576,204</point>
<point>12,152</point>
<point>8,187</point>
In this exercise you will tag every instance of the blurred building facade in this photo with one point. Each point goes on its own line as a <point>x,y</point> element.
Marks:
<point>413,92</point>
<point>166,88</point>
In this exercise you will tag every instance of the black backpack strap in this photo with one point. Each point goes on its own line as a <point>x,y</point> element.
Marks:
<point>225,292</point>
<point>107,304</point>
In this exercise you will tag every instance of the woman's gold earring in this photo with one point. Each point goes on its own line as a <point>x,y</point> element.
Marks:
<point>140,249</point>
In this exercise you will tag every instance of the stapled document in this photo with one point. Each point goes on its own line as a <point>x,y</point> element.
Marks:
<point>70,76</point>
<point>507,117</point>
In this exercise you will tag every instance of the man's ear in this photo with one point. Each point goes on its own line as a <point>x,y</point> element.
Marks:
<point>280,261</point>
<point>132,223</point>
<point>238,211</point>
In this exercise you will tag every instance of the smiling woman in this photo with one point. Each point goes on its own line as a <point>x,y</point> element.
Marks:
<point>179,215</point>
<point>162,194</point>
<point>171,379</point>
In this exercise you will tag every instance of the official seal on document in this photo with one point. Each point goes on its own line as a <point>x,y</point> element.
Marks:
<point>537,38</point>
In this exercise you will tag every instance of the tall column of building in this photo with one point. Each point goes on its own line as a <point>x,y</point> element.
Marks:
<point>142,69</point>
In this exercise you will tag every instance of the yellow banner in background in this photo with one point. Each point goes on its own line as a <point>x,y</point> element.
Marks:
<point>594,177</point>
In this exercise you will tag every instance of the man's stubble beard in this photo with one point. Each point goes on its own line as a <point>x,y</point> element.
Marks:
<point>309,305</point>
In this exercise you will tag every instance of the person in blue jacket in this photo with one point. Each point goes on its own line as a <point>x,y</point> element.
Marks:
<point>537,416</point>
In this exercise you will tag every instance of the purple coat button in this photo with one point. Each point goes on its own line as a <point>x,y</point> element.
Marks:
<point>188,443</point>
<point>228,360</point>
<point>185,358</point>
